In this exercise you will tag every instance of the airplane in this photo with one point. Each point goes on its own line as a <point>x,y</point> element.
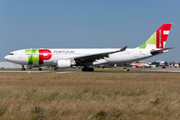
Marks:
<point>140,65</point>
<point>65,58</point>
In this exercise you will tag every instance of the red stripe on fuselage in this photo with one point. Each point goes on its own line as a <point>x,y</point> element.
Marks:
<point>44,54</point>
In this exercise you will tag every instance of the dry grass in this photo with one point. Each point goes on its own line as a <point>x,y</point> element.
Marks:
<point>38,96</point>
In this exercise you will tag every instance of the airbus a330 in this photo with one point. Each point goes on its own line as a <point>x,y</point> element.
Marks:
<point>65,58</point>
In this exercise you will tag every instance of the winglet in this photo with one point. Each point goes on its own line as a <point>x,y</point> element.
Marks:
<point>122,49</point>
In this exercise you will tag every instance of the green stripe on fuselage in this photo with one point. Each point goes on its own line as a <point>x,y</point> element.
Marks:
<point>33,55</point>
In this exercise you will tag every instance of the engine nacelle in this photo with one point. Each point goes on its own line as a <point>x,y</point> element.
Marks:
<point>65,63</point>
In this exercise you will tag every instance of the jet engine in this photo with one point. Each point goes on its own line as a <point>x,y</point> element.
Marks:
<point>65,63</point>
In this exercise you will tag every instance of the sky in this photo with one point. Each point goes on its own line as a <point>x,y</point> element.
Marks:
<point>87,24</point>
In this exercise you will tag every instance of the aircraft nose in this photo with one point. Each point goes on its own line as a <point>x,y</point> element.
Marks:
<point>6,57</point>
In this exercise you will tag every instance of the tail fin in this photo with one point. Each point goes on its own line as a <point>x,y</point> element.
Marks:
<point>158,39</point>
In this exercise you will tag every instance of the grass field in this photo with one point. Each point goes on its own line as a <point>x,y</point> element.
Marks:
<point>89,96</point>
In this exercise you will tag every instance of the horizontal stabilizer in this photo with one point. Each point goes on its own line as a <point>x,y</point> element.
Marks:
<point>155,52</point>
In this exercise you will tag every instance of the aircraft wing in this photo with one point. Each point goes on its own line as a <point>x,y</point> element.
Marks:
<point>154,52</point>
<point>93,57</point>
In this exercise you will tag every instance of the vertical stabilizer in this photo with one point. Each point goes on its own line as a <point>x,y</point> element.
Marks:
<point>158,39</point>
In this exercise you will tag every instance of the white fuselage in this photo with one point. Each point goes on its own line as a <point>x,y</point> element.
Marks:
<point>129,55</point>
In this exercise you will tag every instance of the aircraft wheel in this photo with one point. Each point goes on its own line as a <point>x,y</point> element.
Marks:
<point>23,69</point>
<point>83,69</point>
<point>40,69</point>
<point>88,69</point>
<point>91,69</point>
<point>55,68</point>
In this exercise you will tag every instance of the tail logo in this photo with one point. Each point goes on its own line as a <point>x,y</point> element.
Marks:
<point>162,34</point>
<point>158,39</point>
<point>160,44</point>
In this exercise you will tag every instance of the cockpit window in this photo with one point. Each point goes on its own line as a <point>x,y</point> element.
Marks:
<point>11,53</point>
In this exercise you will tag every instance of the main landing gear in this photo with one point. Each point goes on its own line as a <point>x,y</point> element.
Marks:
<point>23,69</point>
<point>88,69</point>
<point>55,68</point>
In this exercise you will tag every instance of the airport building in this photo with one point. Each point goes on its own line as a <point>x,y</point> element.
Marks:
<point>174,65</point>
<point>9,65</point>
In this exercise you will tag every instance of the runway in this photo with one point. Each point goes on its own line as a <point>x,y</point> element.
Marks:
<point>134,70</point>
<point>169,70</point>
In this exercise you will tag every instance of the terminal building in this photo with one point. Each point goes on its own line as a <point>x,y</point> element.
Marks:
<point>9,65</point>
